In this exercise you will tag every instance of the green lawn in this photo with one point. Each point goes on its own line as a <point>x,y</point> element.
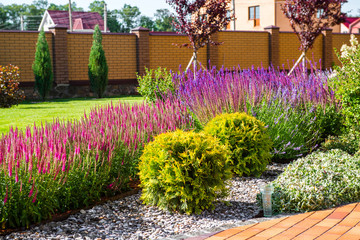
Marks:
<point>28,112</point>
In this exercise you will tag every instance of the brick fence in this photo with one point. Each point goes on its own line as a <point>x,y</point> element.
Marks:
<point>128,54</point>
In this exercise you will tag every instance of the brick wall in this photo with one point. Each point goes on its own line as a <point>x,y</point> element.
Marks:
<point>18,48</point>
<point>289,49</point>
<point>120,52</point>
<point>130,53</point>
<point>242,49</point>
<point>163,52</point>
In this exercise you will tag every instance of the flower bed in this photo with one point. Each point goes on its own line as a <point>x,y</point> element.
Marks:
<point>63,165</point>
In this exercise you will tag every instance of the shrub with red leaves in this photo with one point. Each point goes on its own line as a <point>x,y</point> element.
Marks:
<point>10,94</point>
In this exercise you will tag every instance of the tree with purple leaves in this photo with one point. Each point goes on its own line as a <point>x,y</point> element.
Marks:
<point>309,18</point>
<point>199,19</point>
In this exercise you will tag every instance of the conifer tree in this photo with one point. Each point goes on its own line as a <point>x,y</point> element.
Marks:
<point>98,68</point>
<point>42,67</point>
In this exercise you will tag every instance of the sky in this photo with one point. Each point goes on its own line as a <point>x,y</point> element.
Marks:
<point>148,7</point>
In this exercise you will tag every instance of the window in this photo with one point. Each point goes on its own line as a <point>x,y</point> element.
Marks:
<point>228,15</point>
<point>320,12</point>
<point>254,14</point>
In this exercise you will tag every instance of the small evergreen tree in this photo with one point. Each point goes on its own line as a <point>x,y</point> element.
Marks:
<point>98,68</point>
<point>42,67</point>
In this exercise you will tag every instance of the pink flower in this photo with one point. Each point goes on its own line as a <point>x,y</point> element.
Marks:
<point>34,199</point>
<point>6,195</point>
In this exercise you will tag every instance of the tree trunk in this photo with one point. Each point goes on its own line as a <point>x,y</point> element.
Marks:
<point>304,62</point>
<point>195,63</point>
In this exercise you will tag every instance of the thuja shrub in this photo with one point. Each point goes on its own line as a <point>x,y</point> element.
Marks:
<point>42,67</point>
<point>98,68</point>
<point>184,171</point>
<point>155,83</point>
<point>318,181</point>
<point>64,165</point>
<point>10,94</point>
<point>247,139</point>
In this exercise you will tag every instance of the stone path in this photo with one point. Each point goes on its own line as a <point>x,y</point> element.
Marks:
<point>341,223</point>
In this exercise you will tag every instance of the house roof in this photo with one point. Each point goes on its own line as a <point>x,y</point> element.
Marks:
<point>81,20</point>
<point>349,21</point>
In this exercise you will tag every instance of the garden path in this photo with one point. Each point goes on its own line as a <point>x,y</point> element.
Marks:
<point>341,223</point>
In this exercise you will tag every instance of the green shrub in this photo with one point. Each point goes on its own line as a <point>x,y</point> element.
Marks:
<point>347,84</point>
<point>247,139</point>
<point>10,94</point>
<point>347,143</point>
<point>98,68</point>
<point>184,171</point>
<point>42,67</point>
<point>318,181</point>
<point>155,83</point>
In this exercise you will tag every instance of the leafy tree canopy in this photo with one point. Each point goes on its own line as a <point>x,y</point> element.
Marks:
<point>309,18</point>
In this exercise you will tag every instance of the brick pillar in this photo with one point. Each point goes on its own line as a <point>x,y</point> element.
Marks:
<point>212,51</point>
<point>142,49</point>
<point>327,59</point>
<point>60,55</point>
<point>274,45</point>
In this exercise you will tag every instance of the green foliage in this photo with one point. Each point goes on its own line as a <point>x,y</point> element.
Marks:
<point>184,171</point>
<point>164,21</point>
<point>42,67</point>
<point>347,143</point>
<point>347,84</point>
<point>247,139</point>
<point>319,181</point>
<point>129,16</point>
<point>155,83</point>
<point>10,94</point>
<point>98,68</point>
<point>26,202</point>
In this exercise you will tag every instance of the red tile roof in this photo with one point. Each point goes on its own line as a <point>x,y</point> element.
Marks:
<point>81,20</point>
<point>349,20</point>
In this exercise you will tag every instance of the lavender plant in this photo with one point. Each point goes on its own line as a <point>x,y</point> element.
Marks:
<point>55,167</point>
<point>293,107</point>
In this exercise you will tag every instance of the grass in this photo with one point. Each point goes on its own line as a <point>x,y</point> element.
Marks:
<point>29,112</point>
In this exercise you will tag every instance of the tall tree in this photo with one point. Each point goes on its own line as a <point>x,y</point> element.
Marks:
<point>112,16</point>
<point>199,19</point>
<point>65,7</point>
<point>164,20</point>
<point>42,67</point>
<point>309,18</point>
<point>98,68</point>
<point>147,22</point>
<point>129,16</point>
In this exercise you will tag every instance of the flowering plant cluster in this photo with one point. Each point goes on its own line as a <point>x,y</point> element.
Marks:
<point>295,108</point>
<point>64,165</point>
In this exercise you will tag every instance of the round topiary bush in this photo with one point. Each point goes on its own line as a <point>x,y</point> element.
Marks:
<point>318,181</point>
<point>247,139</point>
<point>184,171</point>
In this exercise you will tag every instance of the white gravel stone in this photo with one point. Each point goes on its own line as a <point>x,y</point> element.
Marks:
<point>128,218</point>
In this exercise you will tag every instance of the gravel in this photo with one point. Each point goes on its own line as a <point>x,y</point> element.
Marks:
<point>128,218</point>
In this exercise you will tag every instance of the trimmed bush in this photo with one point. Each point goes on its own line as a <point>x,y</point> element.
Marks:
<point>247,139</point>
<point>98,68</point>
<point>155,83</point>
<point>318,181</point>
<point>184,171</point>
<point>42,67</point>
<point>10,94</point>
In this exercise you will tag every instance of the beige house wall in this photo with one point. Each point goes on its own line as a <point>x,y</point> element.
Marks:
<point>270,14</point>
<point>267,17</point>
